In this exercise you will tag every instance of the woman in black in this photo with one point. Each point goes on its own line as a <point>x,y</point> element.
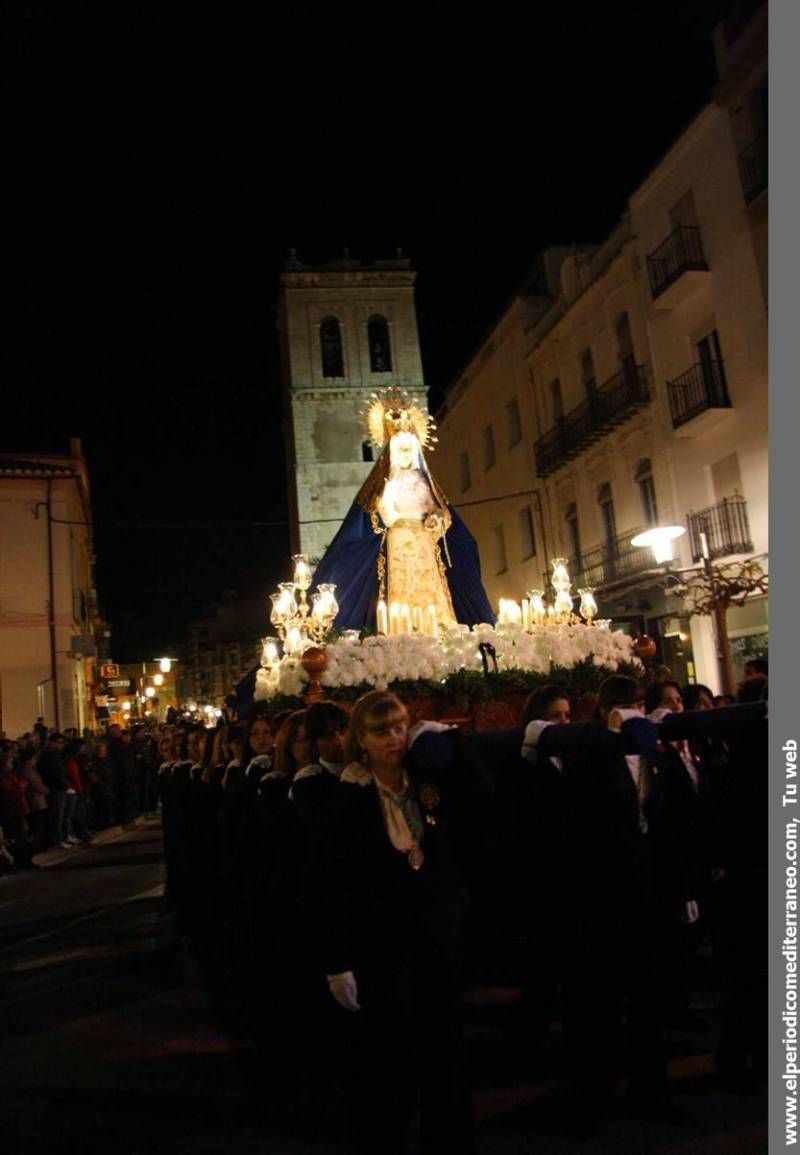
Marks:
<point>394,906</point>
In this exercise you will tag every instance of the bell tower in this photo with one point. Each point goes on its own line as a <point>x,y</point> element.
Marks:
<point>346,330</point>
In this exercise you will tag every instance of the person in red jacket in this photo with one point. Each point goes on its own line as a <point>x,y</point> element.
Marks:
<point>72,825</point>
<point>14,811</point>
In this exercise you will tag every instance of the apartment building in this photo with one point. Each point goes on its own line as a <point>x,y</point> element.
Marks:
<point>48,604</point>
<point>640,384</point>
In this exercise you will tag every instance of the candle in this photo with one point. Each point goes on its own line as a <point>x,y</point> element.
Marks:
<point>294,640</point>
<point>563,602</point>
<point>416,619</point>
<point>433,625</point>
<point>394,618</point>
<point>526,614</point>
<point>302,571</point>
<point>382,617</point>
<point>405,618</point>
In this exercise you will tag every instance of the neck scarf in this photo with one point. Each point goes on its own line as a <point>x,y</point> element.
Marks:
<point>400,811</point>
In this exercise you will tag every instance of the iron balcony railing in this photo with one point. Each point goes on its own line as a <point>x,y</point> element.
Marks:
<point>699,388</point>
<point>609,405</point>
<point>606,563</point>
<point>726,527</point>
<point>611,561</point>
<point>680,252</point>
<point>754,168</point>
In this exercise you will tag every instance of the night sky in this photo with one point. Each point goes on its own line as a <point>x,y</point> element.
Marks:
<point>160,170</point>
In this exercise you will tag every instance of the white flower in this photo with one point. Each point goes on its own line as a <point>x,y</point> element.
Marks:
<point>378,660</point>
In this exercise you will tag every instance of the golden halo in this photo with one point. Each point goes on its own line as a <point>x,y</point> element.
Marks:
<point>394,411</point>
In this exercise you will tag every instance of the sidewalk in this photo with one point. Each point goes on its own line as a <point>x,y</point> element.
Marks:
<point>59,854</point>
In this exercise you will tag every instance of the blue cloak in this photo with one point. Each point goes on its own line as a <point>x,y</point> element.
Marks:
<point>351,562</point>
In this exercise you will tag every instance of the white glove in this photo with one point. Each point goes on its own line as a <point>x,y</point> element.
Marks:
<point>533,732</point>
<point>622,714</point>
<point>692,912</point>
<point>344,989</point>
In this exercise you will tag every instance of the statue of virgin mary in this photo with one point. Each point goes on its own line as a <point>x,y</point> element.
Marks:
<point>401,542</point>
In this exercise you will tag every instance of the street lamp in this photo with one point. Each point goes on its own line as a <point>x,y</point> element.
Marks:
<point>660,540</point>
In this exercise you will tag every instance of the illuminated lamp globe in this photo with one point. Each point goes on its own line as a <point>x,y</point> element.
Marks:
<point>644,646</point>
<point>660,540</point>
<point>165,665</point>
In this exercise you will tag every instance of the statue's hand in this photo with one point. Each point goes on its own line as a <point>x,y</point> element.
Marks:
<point>438,522</point>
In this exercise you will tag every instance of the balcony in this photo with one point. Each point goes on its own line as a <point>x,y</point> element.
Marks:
<point>677,268</point>
<point>614,402</point>
<point>726,527</point>
<point>754,168</point>
<point>697,396</point>
<point>610,562</point>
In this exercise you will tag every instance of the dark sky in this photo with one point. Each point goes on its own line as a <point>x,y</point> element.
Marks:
<point>160,170</point>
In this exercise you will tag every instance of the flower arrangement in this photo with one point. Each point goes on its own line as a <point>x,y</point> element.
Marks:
<point>455,661</point>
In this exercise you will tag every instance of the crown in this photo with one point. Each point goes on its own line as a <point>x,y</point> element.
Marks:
<point>395,411</point>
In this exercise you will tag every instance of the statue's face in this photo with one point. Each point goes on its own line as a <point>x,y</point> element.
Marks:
<point>403,450</point>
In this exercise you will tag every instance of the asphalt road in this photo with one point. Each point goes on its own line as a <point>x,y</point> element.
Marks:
<point>107,1042</point>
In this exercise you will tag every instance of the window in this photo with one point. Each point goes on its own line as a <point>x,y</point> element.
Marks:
<point>330,336</point>
<point>573,537</point>
<point>558,402</point>
<point>488,447</point>
<point>647,491</point>
<point>500,560</point>
<point>759,115</point>
<point>527,539</point>
<point>726,476</point>
<point>367,451</point>
<point>466,480</point>
<point>514,423</point>
<point>606,502</point>
<point>380,350</point>
<point>587,372</point>
<point>709,355</point>
<point>684,212</point>
<point>625,352</point>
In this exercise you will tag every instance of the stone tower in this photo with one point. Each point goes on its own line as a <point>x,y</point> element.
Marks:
<point>347,329</point>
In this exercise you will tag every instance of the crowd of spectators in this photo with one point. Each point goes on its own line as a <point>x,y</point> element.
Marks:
<point>57,790</point>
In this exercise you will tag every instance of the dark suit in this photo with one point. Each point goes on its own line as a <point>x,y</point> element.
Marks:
<point>610,887</point>
<point>740,897</point>
<point>399,931</point>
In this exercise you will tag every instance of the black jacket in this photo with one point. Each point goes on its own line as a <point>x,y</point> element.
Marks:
<point>53,770</point>
<point>376,907</point>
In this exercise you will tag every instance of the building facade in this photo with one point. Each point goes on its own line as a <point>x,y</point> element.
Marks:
<point>346,329</point>
<point>48,603</point>
<point>641,391</point>
<point>223,645</point>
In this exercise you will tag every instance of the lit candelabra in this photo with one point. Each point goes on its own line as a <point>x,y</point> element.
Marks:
<point>534,611</point>
<point>300,624</point>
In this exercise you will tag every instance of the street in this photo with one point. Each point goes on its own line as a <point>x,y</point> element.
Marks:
<point>107,1041</point>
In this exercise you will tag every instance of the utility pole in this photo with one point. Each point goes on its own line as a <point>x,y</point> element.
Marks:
<point>720,615</point>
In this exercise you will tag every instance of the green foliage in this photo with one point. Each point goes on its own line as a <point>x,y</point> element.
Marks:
<point>467,688</point>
